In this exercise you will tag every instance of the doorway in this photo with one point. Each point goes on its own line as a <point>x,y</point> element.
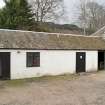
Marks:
<point>101,61</point>
<point>80,62</point>
<point>5,65</point>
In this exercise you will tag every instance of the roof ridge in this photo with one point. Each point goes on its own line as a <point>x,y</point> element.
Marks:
<point>63,34</point>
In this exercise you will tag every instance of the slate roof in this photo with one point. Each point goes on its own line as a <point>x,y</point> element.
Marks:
<point>15,39</point>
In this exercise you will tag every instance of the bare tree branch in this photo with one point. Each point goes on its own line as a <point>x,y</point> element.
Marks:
<point>92,15</point>
<point>45,10</point>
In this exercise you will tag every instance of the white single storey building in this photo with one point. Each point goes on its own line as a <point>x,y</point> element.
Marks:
<point>26,54</point>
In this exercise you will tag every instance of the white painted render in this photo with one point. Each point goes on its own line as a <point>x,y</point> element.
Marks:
<point>91,61</point>
<point>52,62</point>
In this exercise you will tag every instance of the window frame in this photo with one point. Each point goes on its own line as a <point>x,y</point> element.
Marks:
<point>33,56</point>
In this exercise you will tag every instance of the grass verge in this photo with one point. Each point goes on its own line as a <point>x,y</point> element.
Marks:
<point>22,82</point>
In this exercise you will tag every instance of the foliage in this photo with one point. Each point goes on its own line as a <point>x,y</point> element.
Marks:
<point>16,14</point>
<point>52,27</point>
<point>70,26</point>
<point>90,31</point>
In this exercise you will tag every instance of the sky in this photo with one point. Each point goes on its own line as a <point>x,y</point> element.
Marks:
<point>1,3</point>
<point>70,9</point>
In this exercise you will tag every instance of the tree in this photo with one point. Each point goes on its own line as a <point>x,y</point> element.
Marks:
<point>16,14</point>
<point>96,15</point>
<point>92,15</point>
<point>83,14</point>
<point>45,10</point>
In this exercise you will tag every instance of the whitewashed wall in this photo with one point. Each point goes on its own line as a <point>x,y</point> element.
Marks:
<point>52,62</point>
<point>91,61</point>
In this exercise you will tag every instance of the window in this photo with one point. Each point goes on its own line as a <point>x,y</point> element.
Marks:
<point>33,59</point>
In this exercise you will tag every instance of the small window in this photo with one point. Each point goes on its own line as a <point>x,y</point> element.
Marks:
<point>33,59</point>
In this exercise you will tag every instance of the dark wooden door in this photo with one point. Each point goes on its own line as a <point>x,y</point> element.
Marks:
<point>80,62</point>
<point>5,65</point>
<point>0,67</point>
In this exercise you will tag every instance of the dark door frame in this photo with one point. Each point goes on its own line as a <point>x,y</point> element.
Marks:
<point>5,64</point>
<point>101,60</point>
<point>80,62</point>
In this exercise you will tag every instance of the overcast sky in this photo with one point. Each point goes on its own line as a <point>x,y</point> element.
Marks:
<point>71,8</point>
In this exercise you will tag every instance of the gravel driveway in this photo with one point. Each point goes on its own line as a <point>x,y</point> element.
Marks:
<point>86,89</point>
